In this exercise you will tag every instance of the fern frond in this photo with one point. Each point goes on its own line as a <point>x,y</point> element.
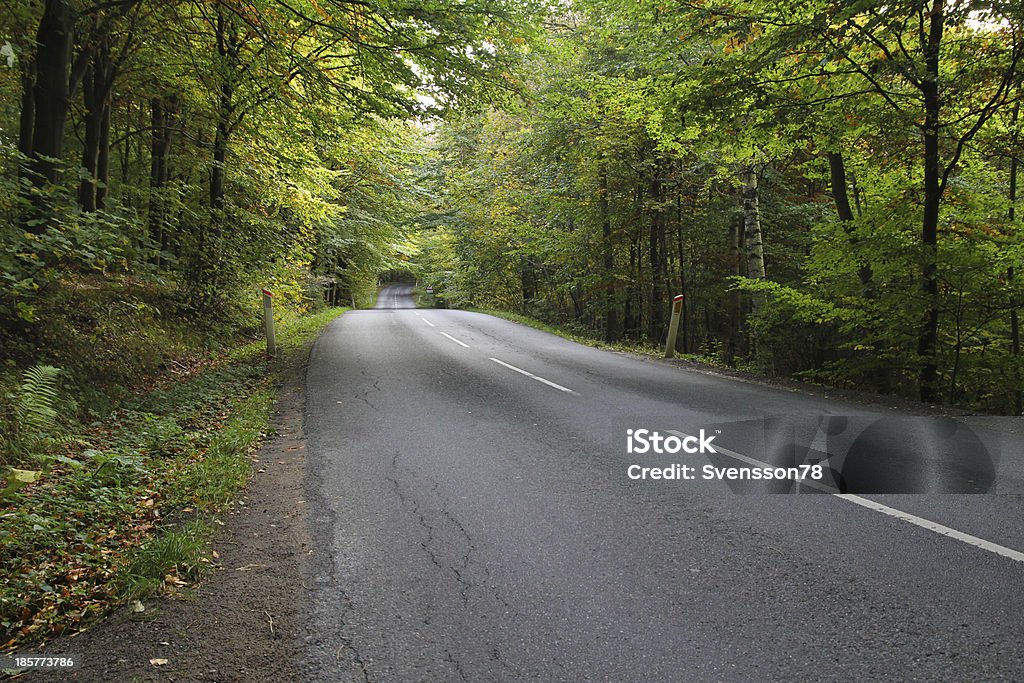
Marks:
<point>35,403</point>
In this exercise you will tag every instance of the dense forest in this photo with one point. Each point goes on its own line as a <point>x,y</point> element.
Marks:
<point>161,162</point>
<point>831,185</point>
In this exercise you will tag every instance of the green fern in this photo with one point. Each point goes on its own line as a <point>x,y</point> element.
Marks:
<point>35,404</point>
<point>33,425</point>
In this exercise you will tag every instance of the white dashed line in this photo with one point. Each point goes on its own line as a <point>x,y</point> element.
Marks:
<point>533,376</point>
<point>460,343</point>
<point>934,527</point>
<point>429,323</point>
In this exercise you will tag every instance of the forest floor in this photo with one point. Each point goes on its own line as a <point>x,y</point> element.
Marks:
<point>241,623</point>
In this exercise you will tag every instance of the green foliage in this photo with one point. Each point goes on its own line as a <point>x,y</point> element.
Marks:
<point>182,553</point>
<point>212,482</point>
<point>96,529</point>
<point>32,427</point>
<point>622,178</point>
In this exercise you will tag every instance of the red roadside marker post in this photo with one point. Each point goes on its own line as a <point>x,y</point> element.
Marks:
<point>268,322</point>
<point>673,326</point>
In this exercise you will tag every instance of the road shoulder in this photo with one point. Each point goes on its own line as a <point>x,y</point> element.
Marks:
<point>242,622</point>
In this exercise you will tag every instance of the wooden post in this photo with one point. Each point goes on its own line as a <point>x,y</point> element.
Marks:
<point>673,326</point>
<point>268,322</point>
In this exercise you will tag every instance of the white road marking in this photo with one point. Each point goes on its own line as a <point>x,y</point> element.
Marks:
<point>533,376</point>
<point>416,313</point>
<point>429,323</point>
<point>1009,553</point>
<point>460,343</point>
<point>935,527</point>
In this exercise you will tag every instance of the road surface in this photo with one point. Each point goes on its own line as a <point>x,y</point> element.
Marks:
<point>473,520</point>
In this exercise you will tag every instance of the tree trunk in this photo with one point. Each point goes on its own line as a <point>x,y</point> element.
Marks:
<point>929,335</point>
<point>28,106</point>
<point>103,157</point>
<point>611,314</point>
<point>51,93</point>
<point>752,229</point>
<point>683,343</point>
<point>841,197</point>
<point>97,84</point>
<point>227,50</point>
<point>1018,394</point>
<point>656,239</point>
<point>163,117</point>
<point>93,119</point>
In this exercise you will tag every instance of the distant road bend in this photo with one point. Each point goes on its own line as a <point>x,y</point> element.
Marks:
<point>473,521</point>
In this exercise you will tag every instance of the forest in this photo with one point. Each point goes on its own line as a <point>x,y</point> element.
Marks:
<point>832,187</point>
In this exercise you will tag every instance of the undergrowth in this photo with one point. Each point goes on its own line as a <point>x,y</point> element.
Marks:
<point>123,510</point>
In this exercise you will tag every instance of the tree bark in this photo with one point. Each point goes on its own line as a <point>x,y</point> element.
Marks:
<point>28,106</point>
<point>103,157</point>
<point>611,313</point>
<point>1018,393</point>
<point>51,93</point>
<point>163,111</point>
<point>656,239</point>
<point>929,335</point>
<point>96,87</point>
<point>227,50</point>
<point>841,197</point>
<point>753,241</point>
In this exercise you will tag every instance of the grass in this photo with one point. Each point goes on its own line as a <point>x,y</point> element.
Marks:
<point>126,510</point>
<point>174,555</point>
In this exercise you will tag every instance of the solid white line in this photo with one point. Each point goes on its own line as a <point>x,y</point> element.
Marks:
<point>429,323</point>
<point>460,343</point>
<point>935,527</point>
<point>533,376</point>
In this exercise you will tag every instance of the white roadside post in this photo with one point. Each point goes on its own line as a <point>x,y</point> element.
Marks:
<point>268,322</point>
<point>673,326</point>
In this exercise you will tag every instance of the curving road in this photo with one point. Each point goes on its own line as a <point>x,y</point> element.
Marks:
<point>473,520</point>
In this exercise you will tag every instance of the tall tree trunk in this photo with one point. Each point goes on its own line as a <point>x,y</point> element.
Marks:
<point>28,106</point>
<point>93,119</point>
<point>683,345</point>
<point>227,51</point>
<point>51,94</point>
<point>928,338</point>
<point>1018,391</point>
<point>841,197</point>
<point>96,87</point>
<point>158,148</point>
<point>611,313</point>
<point>656,239</point>
<point>103,157</point>
<point>752,229</point>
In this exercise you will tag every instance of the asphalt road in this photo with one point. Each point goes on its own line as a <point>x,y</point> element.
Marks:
<point>472,522</point>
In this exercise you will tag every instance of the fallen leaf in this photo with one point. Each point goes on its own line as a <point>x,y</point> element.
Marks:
<point>158,661</point>
<point>137,606</point>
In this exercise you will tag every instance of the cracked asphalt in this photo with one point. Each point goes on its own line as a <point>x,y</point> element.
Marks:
<point>472,522</point>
